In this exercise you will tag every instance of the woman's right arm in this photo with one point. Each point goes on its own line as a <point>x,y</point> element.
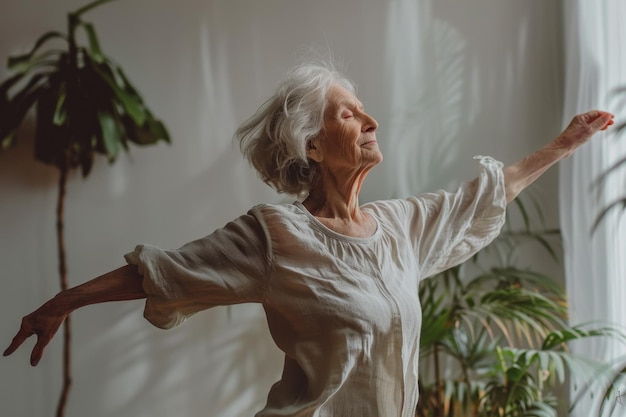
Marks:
<point>120,284</point>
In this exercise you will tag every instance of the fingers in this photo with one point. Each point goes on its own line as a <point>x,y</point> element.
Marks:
<point>17,342</point>
<point>583,127</point>
<point>37,352</point>
<point>26,331</point>
<point>600,120</point>
<point>609,123</point>
<point>19,339</point>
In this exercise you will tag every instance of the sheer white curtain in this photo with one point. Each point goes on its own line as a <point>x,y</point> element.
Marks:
<point>595,264</point>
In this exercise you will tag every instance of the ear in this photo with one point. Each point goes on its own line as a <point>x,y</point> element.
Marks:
<point>314,151</point>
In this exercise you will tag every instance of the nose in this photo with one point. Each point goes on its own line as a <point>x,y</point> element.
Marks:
<point>369,123</point>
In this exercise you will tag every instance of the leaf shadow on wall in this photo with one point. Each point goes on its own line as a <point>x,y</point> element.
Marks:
<point>461,86</point>
<point>222,359</point>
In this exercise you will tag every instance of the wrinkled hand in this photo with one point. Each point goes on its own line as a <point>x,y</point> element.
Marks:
<point>43,322</point>
<point>583,127</point>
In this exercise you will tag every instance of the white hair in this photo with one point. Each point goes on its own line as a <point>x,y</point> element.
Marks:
<point>275,138</point>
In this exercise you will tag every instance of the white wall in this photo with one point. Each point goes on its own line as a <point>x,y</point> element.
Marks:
<point>445,79</point>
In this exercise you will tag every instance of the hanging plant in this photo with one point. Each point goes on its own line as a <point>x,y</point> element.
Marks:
<point>85,105</point>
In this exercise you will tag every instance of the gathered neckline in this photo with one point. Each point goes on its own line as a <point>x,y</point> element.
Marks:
<point>332,233</point>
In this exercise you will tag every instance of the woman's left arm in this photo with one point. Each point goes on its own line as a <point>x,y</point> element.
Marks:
<point>521,174</point>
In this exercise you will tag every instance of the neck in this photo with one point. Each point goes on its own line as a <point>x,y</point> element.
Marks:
<point>336,204</point>
<point>334,197</point>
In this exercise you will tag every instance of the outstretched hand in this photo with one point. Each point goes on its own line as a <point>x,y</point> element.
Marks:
<point>583,127</point>
<point>43,322</point>
<point>123,283</point>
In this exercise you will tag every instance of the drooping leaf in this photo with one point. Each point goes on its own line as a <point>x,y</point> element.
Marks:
<point>110,135</point>
<point>50,139</point>
<point>15,61</point>
<point>127,85</point>
<point>515,373</point>
<point>45,59</point>
<point>132,105</point>
<point>60,112</point>
<point>6,86</point>
<point>565,335</point>
<point>94,45</point>
<point>14,111</point>
<point>158,130</point>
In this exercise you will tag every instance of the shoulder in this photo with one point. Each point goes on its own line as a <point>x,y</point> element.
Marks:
<point>393,212</point>
<point>393,208</point>
<point>283,212</point>
<point>382,206</point>
<point>282,218</point>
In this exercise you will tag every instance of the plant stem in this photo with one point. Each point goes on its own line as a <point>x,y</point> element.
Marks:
<point>438,386</point>
<point>67,334</point>
<point>90,6</point>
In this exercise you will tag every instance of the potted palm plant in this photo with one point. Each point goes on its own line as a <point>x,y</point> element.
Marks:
<point>85,105</point>
<point>495,333</point>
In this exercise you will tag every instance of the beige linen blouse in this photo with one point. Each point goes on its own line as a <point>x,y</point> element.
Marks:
<point>344,310</point>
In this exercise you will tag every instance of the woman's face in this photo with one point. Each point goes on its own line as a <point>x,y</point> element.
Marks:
<point>348,139</point>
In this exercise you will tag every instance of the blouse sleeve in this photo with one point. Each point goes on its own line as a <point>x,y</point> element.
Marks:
<point>229,266</point>
<point>448,228</point>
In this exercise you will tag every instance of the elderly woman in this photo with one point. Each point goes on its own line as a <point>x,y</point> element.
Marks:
<point>338,280</point>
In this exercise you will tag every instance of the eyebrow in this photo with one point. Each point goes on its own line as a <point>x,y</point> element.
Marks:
<point>334,108</point>
<point>348,103</point>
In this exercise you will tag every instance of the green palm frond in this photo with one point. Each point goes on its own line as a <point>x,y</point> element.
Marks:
<point>502,331</point>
